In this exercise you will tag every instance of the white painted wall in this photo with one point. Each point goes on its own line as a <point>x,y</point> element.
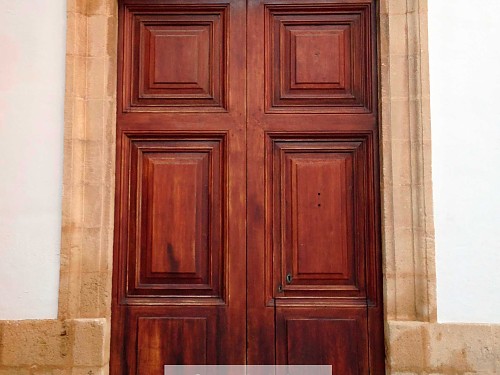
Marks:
<point>32,50</point>
<point>464,41</point>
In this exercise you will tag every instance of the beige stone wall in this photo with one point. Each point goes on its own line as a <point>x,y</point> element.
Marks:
<point>54,347</point>
<point>430,348</point>
<point>408,228</point>
<point>78,342</point>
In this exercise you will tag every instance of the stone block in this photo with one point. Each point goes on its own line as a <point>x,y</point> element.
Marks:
<point>407,346</point>
<point>460,348</point>
<point>112,38</point>
<point>97,29</point>
<point>34,342</point>
<point>79,78</point>
<point>398,34</point>
<point>80,47</point>
<point>99,7</point>
<point>396,7</point>
<point>95,120</point>
<point>95,294</point>
<point>91,257</point>
<point>96,78</point>
<point>92,200</point>
<point>89,342</point>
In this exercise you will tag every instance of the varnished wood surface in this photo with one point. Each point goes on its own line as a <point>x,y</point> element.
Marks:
<point>179,261</point>
<point>313,211</point>
<point>247,198</point>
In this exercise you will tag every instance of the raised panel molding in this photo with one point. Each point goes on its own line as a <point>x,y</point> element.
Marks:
<point>318,58</point>
<point>176,183</point>
<point>320,200</point>
<point>177,58</point>
<point>318,214</point>
<point>322,49</point>
<point>176,209</point>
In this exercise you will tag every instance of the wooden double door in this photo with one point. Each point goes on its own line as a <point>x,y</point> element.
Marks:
<point>247,190</point>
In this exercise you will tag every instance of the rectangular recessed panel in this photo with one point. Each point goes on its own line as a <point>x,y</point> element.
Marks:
<point>176,213</point>
<point>327,341</point>
<point>322,214</point>
<point>178,63</point>
<point>318,58</point>
<point>318,216</point>
<point>170,341</point>
<point>179,232</point>
<point>182,65</point>
<point>175,58</point>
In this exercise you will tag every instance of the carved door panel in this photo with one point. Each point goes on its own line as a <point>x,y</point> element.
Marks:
<point>180,260</point>
<point>247,186</point>
<point>313,240</point>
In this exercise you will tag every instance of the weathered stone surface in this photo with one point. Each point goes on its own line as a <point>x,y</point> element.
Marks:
<point>89,348</point>
<point>431,348</point>
<point>407,346</point>
<point>34,342</point>
<point>461,348</point>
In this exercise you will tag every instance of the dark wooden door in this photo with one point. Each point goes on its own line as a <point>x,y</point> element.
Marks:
<point>247,187</point>
<point>313,190</point>
<point>180,257</point>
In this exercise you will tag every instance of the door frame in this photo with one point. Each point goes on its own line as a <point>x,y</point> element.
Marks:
<point>89,170</point>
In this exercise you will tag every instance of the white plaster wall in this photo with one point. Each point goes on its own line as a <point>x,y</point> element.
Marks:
<point>32,50</point>
<point>464,41</point>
